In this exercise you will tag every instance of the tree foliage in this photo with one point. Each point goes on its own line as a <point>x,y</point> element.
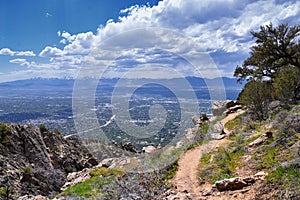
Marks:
<point>274,48</point>
<point>257,95</point>
<point>272,69</point>
<point>285,82</point>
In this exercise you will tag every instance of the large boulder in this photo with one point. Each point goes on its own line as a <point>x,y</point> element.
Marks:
<point>217,128</point>
<point>233,183</point>
<point>196,120</point>
<point>149,149</point>
<point>263,138</point>
<point>216,131</point>
<point>230,104</point>
<point>293,121</point>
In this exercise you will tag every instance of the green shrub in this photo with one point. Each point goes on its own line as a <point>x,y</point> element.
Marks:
<point>204,128</point>
<point>57,132</point>
<point>256,96</point>
<point>6,191</point>
<point>43,128</point>
<point>3,191</point>
<point>171,171</point>
<point>4,130</point>
<point>287,177</point>
<point>28,169</point>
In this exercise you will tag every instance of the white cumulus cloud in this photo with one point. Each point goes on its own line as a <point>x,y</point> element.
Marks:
<point>220,28</point>
<point>20,61</point>
<point>9,52</point>
<point>51,52</point>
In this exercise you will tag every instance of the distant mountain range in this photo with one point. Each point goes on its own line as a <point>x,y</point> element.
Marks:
<point>64,87</point>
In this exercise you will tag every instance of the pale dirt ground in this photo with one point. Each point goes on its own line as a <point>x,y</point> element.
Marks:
<point>186,178</point>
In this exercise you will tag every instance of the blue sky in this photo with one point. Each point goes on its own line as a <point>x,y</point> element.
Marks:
<point>52,38</point>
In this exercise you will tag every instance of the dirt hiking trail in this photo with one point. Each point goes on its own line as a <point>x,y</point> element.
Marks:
<point>186,178</point>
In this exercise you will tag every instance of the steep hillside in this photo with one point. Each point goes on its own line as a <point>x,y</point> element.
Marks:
<point>261,160</point>
<point>35,160</point>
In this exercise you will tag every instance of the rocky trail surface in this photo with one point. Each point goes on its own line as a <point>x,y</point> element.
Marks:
<point>186,178</point>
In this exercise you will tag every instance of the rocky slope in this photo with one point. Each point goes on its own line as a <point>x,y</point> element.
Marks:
<point>260,161</point>
<point>251,160</point>
<point>36,161</point>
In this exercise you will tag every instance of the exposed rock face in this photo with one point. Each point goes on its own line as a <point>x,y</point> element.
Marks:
<point>217,128</point>
<point>219,107</point>
<point>36,161</point>
<point>233,109</point>
<point>224,107</point>
<point>216,131</point>
<point>293,121</point>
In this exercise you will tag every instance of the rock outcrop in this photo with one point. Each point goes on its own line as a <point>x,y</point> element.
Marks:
<point>238,183</point>
<point>149,149</point>
<point>233,183</point>
<point>36,161</point>
<point>218,107</point>
<point>263,138</point>
<point>225,107</point>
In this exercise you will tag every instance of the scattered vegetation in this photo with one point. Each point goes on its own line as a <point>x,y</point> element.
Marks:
<point>170,172</point>
<point>93,187</point>
<point>4,130</point>
<point>234,124</point>
<point>285,176</point>
<point>278,155</point>
<point>272,72</point>
<point>6,191</point>
<point>43,128</point>
<point>57,132</point>
<point>219,164</point>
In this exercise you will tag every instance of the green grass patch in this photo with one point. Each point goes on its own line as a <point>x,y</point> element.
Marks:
<point>93,186</point>
<point>105,172</point>
<point>204,128</point>
<point>171,171</point>
<point>235,123</point>
<point>268,157</point>
<point>219,164</point>
<point>287,177</point>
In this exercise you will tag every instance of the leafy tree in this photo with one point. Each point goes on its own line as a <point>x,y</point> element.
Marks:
<point>272,69</point>
<point>285,82</point>
<point>257,95</point>
<point>275,48</point>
